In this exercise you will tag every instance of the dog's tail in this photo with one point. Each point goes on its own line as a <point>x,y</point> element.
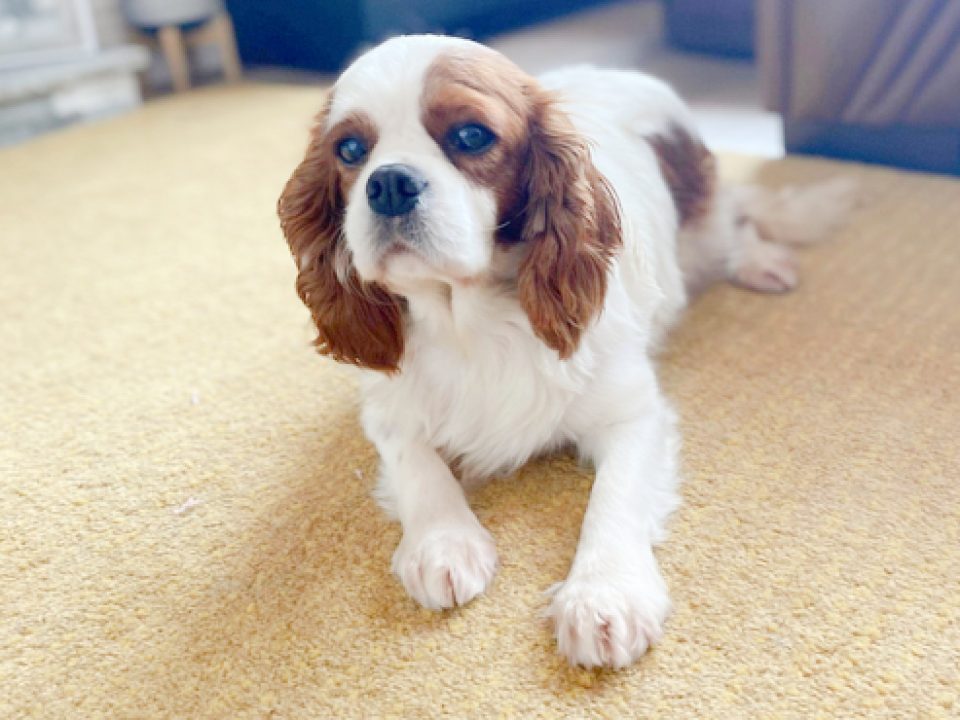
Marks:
<point>743,237</point>
<point>798,215</point>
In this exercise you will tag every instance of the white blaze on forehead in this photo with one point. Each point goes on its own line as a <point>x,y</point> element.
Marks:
<point>387,82</point>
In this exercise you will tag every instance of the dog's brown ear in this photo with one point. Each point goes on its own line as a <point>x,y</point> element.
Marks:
<point>572,228</point>
<point>358,323</point>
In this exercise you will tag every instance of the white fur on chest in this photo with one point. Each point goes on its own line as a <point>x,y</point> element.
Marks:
<point>478,384</point>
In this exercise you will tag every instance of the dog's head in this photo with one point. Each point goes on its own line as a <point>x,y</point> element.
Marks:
<point>434,162</point>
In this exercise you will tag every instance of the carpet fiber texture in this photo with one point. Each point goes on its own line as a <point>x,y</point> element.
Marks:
<point>186,529</point>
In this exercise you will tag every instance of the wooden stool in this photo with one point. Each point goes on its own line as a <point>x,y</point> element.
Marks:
<point>218,30</point>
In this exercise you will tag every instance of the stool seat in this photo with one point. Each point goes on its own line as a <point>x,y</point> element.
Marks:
<point>155,14</point>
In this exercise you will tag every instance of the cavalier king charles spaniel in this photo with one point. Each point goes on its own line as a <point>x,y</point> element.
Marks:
<point>502,255</point>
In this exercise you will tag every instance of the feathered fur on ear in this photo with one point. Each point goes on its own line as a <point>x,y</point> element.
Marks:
<point>358,323</point>
<point>572,227</point>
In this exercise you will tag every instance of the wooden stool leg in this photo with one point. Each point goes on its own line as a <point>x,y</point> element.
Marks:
<point>171,42</point>
<point>227,41</point>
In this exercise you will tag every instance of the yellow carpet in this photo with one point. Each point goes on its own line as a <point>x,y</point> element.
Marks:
<point>185,524</point>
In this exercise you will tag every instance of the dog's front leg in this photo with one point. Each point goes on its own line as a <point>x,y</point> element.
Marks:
<point>612,605</point>
<point>445,557</point>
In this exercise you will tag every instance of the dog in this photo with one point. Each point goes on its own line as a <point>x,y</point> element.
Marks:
<point>502,256</point>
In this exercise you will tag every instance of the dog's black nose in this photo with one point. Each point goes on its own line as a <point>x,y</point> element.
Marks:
<point>393,190</point>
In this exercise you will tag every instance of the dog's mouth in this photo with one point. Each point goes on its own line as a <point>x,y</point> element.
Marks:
<point>405,252</point>
<point>406,230</point>
<point>394,248</point>
<point>399,236</point>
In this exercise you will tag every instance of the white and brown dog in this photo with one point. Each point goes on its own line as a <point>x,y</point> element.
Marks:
<point>503,254</point>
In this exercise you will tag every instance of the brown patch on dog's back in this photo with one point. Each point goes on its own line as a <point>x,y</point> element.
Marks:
<point>689,170</point>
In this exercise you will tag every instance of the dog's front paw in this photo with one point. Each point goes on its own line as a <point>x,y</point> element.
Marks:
<point>444,567</point>
<point>608,622</point>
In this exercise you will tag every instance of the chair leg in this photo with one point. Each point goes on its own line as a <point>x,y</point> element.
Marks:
<point>171,42</point>
<point>227,41</point>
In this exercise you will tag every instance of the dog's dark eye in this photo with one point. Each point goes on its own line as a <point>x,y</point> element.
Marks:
<point>472,138</point>
<point>351,150</point>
